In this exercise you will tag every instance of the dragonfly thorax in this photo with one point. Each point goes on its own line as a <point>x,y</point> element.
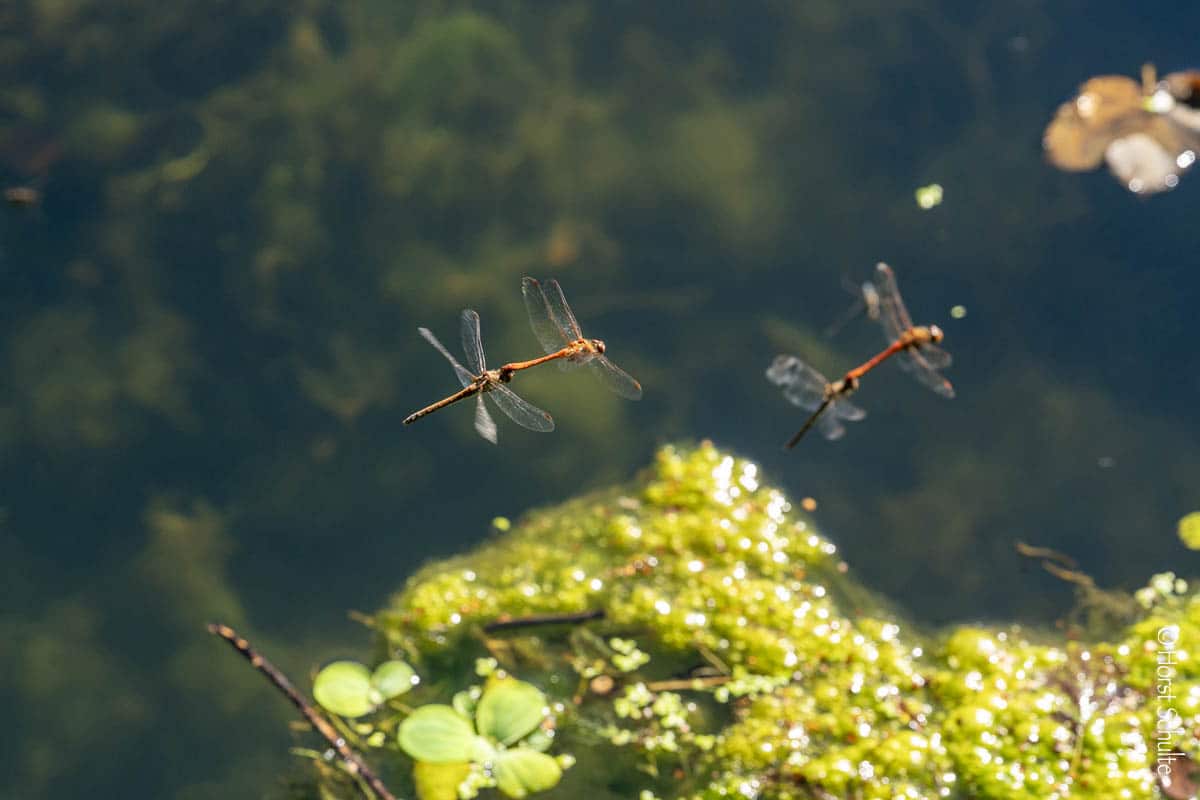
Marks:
<point>841,387</point>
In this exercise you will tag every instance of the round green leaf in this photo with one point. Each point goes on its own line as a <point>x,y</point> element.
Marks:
<point>437,734</point>
<point>464,703</point>
<point>509,709</point>
<point>439,781</point>
<point>521,771</point>
<point>539,740</point>
<point>1189,530</point>
<point>393,678</point>
<point>483,751</point>
<point>344,687</point>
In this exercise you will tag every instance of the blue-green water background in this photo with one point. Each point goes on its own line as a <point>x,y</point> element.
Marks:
<point>209,322</point>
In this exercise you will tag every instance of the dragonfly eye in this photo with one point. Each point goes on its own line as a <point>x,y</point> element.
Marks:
<point>598,345</point>
<point>935,333</point>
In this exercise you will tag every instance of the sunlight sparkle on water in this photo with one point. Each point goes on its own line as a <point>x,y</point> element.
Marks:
<point>749,478</point>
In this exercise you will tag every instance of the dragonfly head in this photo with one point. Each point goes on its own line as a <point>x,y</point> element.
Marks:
<point>597,345</point>
<point>935,334</point>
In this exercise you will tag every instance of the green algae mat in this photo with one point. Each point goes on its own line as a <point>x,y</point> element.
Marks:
<point>692,636</point>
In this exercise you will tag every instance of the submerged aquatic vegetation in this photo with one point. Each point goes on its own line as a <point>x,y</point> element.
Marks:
<point>736,657</point>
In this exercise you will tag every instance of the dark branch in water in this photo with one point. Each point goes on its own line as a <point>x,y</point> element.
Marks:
<point>1032,551</point>
<point>573,618</point>
<point>682,684</point>
<point>354,763</point>
<point>1069,575</point>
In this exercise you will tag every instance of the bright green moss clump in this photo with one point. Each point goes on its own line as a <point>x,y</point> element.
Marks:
<point>811,689</point>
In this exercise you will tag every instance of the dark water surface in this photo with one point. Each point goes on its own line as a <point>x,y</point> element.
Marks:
<point>209,320</point>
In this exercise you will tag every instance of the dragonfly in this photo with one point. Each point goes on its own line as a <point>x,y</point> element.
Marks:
<point>803,386</point>
<point>914,346</point>
<point>556,329</point>
<point>866,302</point>
<point>478,380</point>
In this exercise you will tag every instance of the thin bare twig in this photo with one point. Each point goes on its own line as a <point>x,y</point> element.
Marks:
<point>573,618</point>
<point>680,684</point>
<point>352,760</point>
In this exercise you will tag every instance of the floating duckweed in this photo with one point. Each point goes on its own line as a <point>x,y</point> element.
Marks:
<point>929,196</point>
<point>349,689</point>
<point>818,691</point>
<point>1189,530</point>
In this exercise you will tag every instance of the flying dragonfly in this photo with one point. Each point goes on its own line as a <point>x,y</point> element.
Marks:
<point>866,302</point>
<point>555,327</point>
<point>803,386</point>
<point>478,380</point>
<point>915,347</point>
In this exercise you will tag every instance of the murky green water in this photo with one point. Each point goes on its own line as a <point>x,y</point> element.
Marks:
<point>209,326</point>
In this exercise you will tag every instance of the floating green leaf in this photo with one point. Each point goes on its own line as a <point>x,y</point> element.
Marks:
<point>437,734</point>
<point>539,740</point>
<point>521,771</point>
<point>1189,530</point>
<point>393,678</point>
<point>464,701</point>
<point>929,196</point>
<point>344,687</point>
<point>439,781</point>
<point>509,709</point>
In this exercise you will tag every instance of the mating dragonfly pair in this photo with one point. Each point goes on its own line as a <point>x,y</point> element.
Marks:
<point>914,347</point>
<point>556,329</point>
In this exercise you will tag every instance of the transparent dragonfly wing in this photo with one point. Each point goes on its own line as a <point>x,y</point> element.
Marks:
<point>803,396</point>
<point>924,372</point>
<point>926,357</point>
<point>829,425</point>
<point>844,319</point>
<point>549,333</point>
<point>615,378</point>
<point>485,426</point>
<point>870,299</point>
<point>519,411</point>
<point>464,377</point>
<point>844,409</point>
<point>919,366</point>
<point>472,341</point>
<point>563,317</point>
<point>802,385</point>
<point>892,313</point>
<point>936,357</point>
<point>866,301</point>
